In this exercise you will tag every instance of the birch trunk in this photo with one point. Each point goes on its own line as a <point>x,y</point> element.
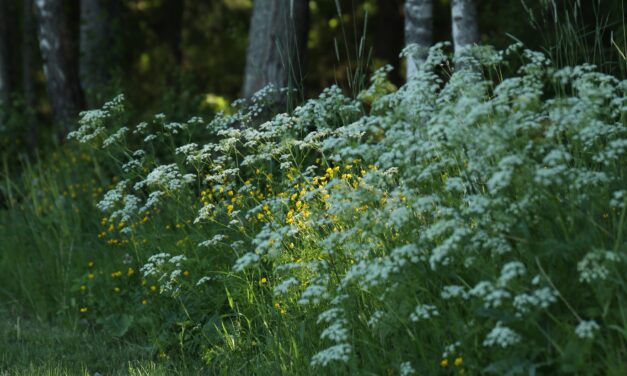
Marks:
<point>465,25</point>
<point>419,31</point>
<point>62,81</point>
<point>276,45</point>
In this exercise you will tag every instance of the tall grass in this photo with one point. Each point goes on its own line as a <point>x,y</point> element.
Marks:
<point>570,39</point>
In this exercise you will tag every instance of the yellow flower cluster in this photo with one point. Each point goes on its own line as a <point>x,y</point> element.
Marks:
<point>458,362</point>
<point>299,210</point>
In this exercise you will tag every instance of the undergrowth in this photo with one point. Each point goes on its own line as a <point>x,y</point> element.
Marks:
<point>470,222</point>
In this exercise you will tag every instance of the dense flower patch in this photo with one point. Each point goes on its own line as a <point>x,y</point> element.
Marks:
<point>467,222</point>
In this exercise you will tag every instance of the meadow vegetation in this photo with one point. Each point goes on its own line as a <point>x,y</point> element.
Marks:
<point>472,221</point>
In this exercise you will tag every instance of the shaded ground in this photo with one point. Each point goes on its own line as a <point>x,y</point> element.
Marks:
<point>31,347</point>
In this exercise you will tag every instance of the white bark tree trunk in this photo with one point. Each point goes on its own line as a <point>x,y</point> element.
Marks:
<point>419,31</point>
<point>62,80</point>
<point>465,24</point>
<point>276,44</point>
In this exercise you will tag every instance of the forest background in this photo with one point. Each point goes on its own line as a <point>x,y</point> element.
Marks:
<point>183,57</point>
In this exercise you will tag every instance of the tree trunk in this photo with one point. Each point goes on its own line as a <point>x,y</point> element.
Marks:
<point>62,80</point>
<point>465,24</point>
<point>28,84</point>
<point>98,47</point>
<point>5,75</point>
<point>388,38</point>
<point>419,31</point>
<point>171,27</point>
<point>276,45</point>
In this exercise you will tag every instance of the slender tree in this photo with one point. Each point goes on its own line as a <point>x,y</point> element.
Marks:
<point>28,84</point>
<point>28,33</point>
<point>276,44</point>
<point>465,24</point>
<point>418,31</point>
<point>98,47</point>
<point>5,75</point>
<point>64,92</point>
<point>388,37</point>
<point>172,27</point>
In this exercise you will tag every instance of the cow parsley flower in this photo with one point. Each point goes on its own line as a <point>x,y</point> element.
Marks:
<point>501,336</point>
<point>213,241</point>
<point>339,353</point>
<point>587,329</point>
<point>337,331</point>
<point>453,291</point>
<point>510,271</point>
<point>424,312</point>
<point>406,369</point>
<point>619,199</point>
<point>540,298</point>
<point>284,286</point>
<point>595,265</point>
<point>245,261</point>
<point>115,137</point>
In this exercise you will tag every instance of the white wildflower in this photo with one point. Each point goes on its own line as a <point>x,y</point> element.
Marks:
<point>424,312</point>
<point>595,265</point>
<point>284,286</point>
<point>406,369</point>
<point>587,329</point>
<point>501,336</point>
<point>340,353</point>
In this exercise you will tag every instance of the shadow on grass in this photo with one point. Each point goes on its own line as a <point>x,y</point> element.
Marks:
<point>30,347</point>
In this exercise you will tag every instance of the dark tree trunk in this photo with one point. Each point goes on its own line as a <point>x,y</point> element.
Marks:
<point>276,45</point>
<point>5,74</point>
<point>388,40</point>
<point>172,26</point>
<point>28,84</point>
<point>64,92</point>
<point>418,31</point>
<point>98,48</point>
